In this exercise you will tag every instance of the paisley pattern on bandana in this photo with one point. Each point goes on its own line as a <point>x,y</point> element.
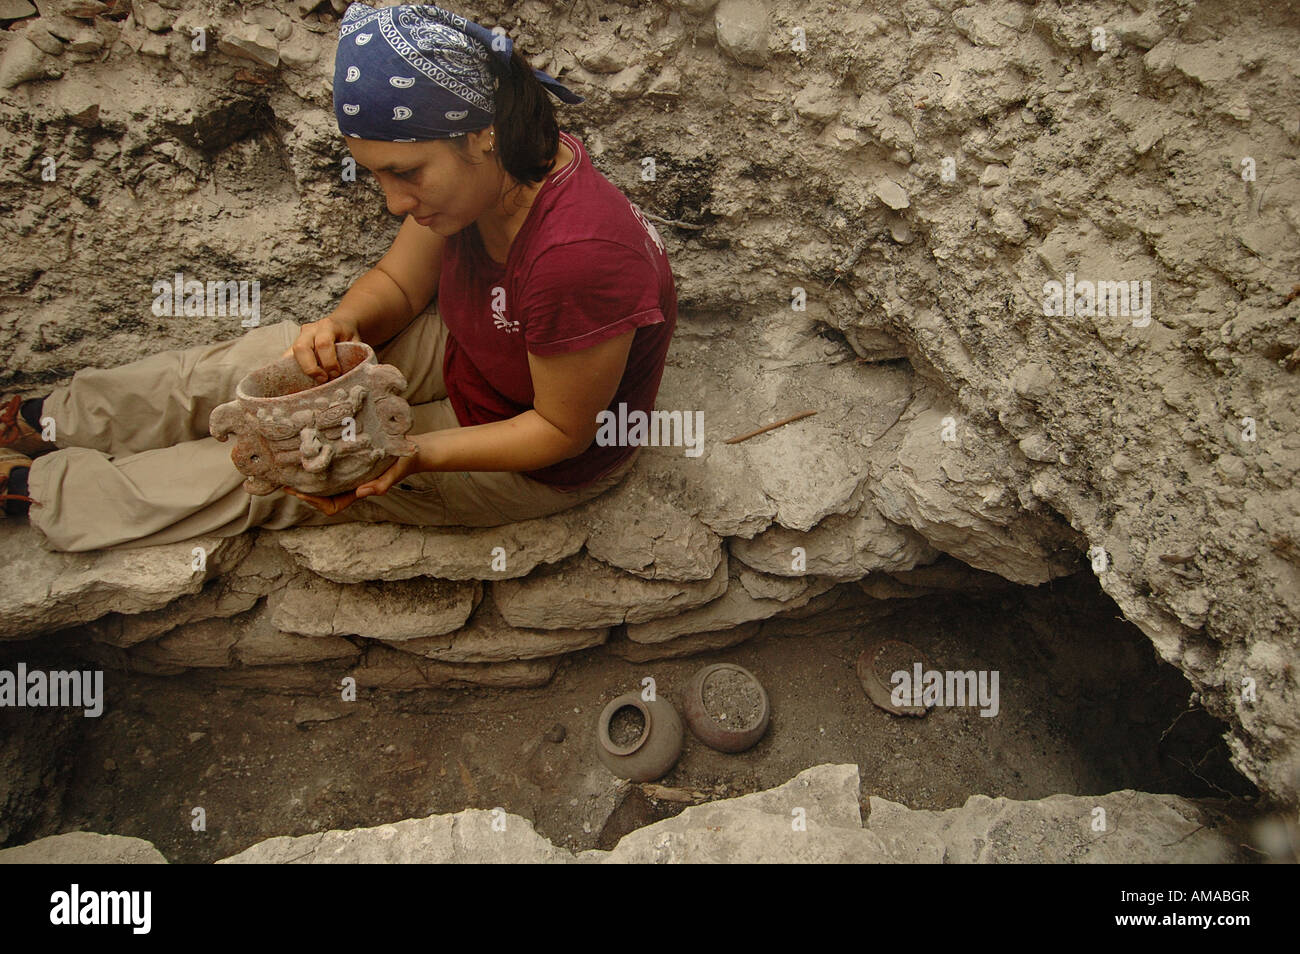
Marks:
<point>418,72</point>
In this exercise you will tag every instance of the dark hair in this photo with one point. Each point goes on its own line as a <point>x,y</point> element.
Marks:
<point>527,134</point>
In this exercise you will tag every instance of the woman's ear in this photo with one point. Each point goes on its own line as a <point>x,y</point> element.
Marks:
<point>482,142</point>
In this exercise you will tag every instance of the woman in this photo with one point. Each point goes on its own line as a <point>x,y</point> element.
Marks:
<point>555,301</point>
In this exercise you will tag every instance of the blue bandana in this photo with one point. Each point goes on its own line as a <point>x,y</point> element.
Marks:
<point>417,72</point>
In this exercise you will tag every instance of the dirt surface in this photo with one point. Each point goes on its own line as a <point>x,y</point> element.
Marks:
<point>1085,708</point>
<point>626,726</point>
<point>894,656</point>
<point>732,699</point>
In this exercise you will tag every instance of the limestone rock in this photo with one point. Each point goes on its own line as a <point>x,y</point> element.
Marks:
<point>487,637</point>
<point>695,7</point>
<point>844,609</point>
<point>742,27</point>
<point>86,40</point>
<point>267,17</point>
<point>951,576</point>
<point>1143,32</point>
<point>948,492</point>
<point>396,610</point>
<point>636,528</point>
<point>734,607</point>
<point>387,551</point>
<point>804,487</point>
<point>603,54</point>
<point>752,828</point>
<point>761,586</point>
<point>395,671</point>
<point>151,16</point>
<point>41,590</point>
<point>439,839</point>
<point>16,9</point>
<point>668,82</point>
<point>83,848</point>
<point>1211,65</point>
<point>732,502</point>
<point>1040,448</point>
<point>583,593</point>
<point>249,41</point>
<point>51,9</point>
<point>982,26</point>
<point>57,21</point>
<point>85,9</point>
<point>44,40</point>
<point>22,62</point>
<point>628,83</point>
<point>892,194</point>
<point>818,103</point>
<point>250,639</point>
<point>154,44</point>
<point>681,646</point>
<point>755,829</point>
<point>841,547</point>
<point>300,49</point>
<point>1035,381</point>
<point>262,644</point>
<point>1141,829</point>
<point>215,600</point>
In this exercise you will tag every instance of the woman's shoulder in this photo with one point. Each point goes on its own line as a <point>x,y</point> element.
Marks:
<point>587,210</point>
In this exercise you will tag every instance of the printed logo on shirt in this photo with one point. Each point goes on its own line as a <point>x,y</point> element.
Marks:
<point>648,226</point>
<point>499,311</point>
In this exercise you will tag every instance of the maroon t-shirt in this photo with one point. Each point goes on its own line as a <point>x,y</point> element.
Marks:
<point>586,266</point>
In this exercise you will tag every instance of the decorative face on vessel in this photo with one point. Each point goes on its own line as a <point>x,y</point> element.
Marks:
<point>318,439</point>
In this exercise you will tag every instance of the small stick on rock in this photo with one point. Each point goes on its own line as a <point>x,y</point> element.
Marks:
<point>666,794</point>
<point>679,224</point>
<point>768,427</point>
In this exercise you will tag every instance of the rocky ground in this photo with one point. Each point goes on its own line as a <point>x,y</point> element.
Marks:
<point>815,818</point>
<point>961,431</point>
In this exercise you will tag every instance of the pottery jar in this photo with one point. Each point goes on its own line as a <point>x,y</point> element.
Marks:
<point>711,732</point>
<point>651,755</point>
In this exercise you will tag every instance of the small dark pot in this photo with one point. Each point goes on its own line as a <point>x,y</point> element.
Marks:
<point>649,757</point>
<point>708,730</point>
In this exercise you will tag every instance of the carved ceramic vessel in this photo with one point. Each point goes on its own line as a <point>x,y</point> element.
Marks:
<point>320,439</point>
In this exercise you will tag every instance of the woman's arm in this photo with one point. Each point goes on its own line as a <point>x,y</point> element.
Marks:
<point>569,390</point>
<point>386,299</point>
<point>379,305</point>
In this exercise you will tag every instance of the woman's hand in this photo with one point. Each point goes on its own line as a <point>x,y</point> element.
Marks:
<point>315,351</point>
<point>403,467</point>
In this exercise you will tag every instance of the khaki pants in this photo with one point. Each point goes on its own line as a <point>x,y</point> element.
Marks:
<point>136,465</point>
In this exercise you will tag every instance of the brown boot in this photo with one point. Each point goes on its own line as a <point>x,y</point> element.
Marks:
<point>16,434</point>
<point>8,461</point>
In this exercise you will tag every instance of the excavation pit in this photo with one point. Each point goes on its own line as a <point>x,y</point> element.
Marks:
<point>1086,708</point>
